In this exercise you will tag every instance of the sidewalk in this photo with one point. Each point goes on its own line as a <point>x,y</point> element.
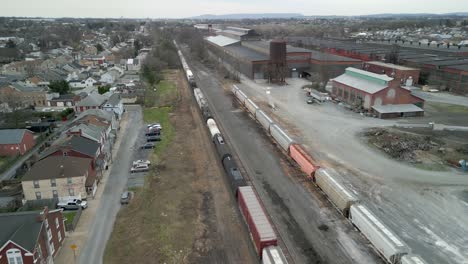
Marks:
<point>79,236</point>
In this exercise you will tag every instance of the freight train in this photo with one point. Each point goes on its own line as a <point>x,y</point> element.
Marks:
<point>261,229</point>
<point>386,243</point>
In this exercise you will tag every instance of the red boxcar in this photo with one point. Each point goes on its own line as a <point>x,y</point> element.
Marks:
<point>305,161</point>
<point>257,220</point>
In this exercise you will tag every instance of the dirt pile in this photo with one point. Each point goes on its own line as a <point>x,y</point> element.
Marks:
<point>399,145</point>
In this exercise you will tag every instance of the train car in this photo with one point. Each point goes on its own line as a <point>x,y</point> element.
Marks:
<point>412,259</point>
<point>251,106</point>
<point>281,137</point>
<point>213,127</point>
<point>199,97</point>
<point>240,95</point>
<point>206,112</point>
<point>389,245</point>
<point>273,255</point>
<point>234,176</point>
<point>264,120</point>
<point>221,147</point>
<point>342,198</point>
<point>260,227</point>
<point>304,160</point>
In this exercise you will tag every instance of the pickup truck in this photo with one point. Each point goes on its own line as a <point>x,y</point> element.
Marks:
<point>74,204</point>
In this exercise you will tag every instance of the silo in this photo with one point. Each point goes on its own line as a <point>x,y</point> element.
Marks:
<point>277,66</point>
<point>278,51</point>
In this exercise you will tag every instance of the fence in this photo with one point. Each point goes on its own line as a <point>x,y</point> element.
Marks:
<point>34,205</point>
<point>71,226</point>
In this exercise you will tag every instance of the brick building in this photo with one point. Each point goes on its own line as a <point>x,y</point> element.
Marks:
<point>361,88</point>
<point>15,141</point>
<point>31,237</point>
<point>407,76</point>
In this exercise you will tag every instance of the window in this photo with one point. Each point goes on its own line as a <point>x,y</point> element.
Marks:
<point>36,184</point>
<point>59,236</point>
<point>69,180</point>
<point>65,153</point>
<point>57,224</point>
<point>54,193</point>
<point>53,183</point>
<point>52,247</point>
<point>14,256</point>
<point>38,196</point>
<point>71,192</point>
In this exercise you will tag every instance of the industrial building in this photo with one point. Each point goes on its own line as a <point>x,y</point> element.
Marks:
<point>375,92</point>
<point>259,59</point>
<point>442,68</point>
<point>407,76</point>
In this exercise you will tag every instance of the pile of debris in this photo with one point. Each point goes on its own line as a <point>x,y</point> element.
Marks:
<point>400,145</point>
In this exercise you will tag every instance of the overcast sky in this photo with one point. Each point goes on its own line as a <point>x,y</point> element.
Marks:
<point>187,8</point>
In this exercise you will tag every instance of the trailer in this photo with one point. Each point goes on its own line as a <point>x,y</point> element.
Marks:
<point>261,230</point>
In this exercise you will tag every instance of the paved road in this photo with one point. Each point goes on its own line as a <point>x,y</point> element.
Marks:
<point>298,215</point>
<point>423,207</point>
<point>445,98</point>
<point>101,227</point>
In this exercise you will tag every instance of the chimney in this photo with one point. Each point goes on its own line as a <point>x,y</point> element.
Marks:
<point>42,215</point>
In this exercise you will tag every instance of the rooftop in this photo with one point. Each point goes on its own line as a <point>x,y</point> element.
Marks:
<point>222,41</point>
<point>391,65</point>
<point>400,108</point>
<point>78,144</point>
<point>246,53</point>
<point>368,75</point>
<point>12,136</point>
<point>360,83</point>
<point>93,99</point>
<point>21,227</point>
<point>54,167</point>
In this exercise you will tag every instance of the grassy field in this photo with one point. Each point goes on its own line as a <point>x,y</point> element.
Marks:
<point>161,115</point>
<point>450,108</point>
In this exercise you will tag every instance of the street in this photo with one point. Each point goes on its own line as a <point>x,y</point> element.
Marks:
<point>101,227</point>
<point>299,215</point>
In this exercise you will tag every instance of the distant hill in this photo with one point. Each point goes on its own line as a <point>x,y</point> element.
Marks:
<point>250,16</point>
<point>386,15</point>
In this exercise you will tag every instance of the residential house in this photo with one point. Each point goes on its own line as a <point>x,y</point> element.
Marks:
<point>103,115</point>
<point>92,101</point>
<point>362,88</point>
<point>25,67</point>
<point>112,75</point>
<point>32,237</point>
<point>63,100</point>
<point>37,81</point>
<point>19,94</point>
<point>114,104</point>
<point>133,65</point>
<point>16,141</point>
<point>58,176</point>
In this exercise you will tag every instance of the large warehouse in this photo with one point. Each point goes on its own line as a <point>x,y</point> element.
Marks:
<point>259,59</point>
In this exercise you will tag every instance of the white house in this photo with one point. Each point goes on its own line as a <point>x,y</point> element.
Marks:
<point>114,104</point>
<point>112,75</point>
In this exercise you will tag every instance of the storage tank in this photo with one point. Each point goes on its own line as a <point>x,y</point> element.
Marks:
<point>212,127</point>
<point>278,51</point>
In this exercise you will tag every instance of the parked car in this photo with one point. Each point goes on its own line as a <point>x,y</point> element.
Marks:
<point>125,197</point>
<point>148,146</point>
<point>74,204</point>
<point>153,133</point>
<point>139,168</point>
<point>154,126</point>
<point>136,162</point>
<point>310,101</point>
<point>153,138</point>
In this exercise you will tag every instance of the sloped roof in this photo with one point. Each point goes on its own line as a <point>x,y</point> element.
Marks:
<point>114,99</point>
<point>12,136</point>
<point>21,227</point>
<point>54,167</point>
<point>97,112</point>
<point>222,41</point>
<point>360,84</point>
<point>398,108</point>
<point>89,129</point>
<point>93,99</point>
<point>76,143</point>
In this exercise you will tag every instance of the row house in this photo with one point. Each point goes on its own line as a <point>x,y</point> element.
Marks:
<point>15,142</point>
<point>92,101</point>
<point>33,237</point>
